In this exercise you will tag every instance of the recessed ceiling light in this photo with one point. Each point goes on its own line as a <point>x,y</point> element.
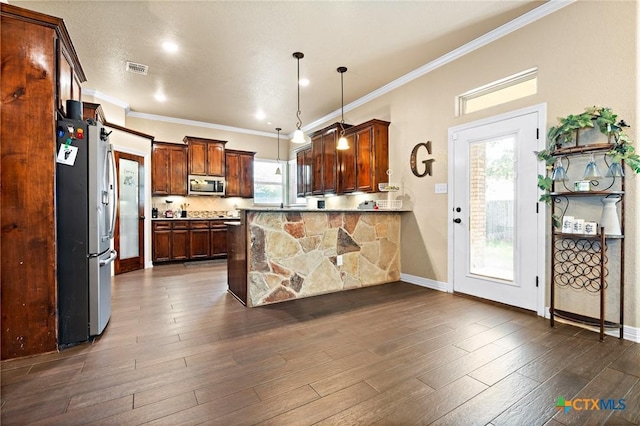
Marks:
<point>260,115</point>
<point>304,82</point>
<point>160,97</point>
<point>170,46</point>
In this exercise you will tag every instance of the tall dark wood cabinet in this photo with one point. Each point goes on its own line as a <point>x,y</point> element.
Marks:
<point>168,169</point>
<point>239,175</point>
<point>40,71</point>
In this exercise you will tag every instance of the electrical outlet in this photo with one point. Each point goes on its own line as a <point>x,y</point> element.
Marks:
<point>339,260</point>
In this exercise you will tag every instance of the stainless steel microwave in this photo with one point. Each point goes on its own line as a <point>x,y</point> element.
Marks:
<point>206,185</point>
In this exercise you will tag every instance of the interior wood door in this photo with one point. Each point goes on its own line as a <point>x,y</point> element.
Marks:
<point>129,233</point>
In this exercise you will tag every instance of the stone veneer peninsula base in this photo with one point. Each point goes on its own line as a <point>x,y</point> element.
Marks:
<point>280,254</point>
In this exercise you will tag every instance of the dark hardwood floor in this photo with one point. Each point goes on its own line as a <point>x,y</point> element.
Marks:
<point>180,350</point>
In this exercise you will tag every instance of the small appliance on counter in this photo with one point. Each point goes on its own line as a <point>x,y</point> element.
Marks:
<point>367,205</point>
<point>154,212</point>
<point>168,212</point>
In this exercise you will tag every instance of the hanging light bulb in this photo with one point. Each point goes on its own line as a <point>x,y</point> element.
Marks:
<point>298,135</point>
<point>342,142</point>
<point>278,172</point>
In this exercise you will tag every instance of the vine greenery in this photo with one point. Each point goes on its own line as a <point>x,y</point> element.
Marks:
<point>565,132</point>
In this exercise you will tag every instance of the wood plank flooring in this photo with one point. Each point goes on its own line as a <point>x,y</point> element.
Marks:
<point>180,350</point>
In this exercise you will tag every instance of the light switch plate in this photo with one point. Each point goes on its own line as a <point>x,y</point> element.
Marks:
<point>441,188</point>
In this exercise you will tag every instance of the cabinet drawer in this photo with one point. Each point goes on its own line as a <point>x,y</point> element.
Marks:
<point>217,224</point>
<point>199,224</point>
<point>161,225</point>
<point>180,224</point>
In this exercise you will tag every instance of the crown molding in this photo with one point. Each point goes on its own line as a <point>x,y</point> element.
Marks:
<point>532,16</point>
<point>104,97</point>
<point>204,124</point>
<point>493,35</point>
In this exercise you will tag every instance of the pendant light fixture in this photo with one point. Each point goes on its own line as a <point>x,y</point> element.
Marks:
<point>278,172</point>
<point>298,135</point>
<point>342,142</point>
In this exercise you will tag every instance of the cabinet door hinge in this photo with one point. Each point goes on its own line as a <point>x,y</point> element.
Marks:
<point>536,281</point>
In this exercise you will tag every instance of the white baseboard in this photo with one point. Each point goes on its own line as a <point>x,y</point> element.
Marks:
<point>628,333</point>
<point>424,282</point>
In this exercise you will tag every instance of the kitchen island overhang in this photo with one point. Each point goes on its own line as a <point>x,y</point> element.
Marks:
<point>277,255</point>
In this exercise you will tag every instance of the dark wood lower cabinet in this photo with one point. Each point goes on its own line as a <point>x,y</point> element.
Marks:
<point>162,245</point>
<point>180,244</point>
<point>218,236</point>
<point>199,240</point>
<point>175,240</point>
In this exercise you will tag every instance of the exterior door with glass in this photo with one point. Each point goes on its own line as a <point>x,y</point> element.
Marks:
<point>495,221</point>
<point>129,235</point>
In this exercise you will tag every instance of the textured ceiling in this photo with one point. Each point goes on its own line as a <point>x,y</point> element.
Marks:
<point>235,57</point>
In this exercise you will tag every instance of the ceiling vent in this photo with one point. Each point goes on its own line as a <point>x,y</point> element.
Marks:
<point>137,68</point>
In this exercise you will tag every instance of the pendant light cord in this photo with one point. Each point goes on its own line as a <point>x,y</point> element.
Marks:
<point>342,92</point>
<point>298,55</point>
<point>278,129</point>
<point>342,70</point>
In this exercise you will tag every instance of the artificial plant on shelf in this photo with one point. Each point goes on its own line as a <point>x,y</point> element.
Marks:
<point>566,132</point>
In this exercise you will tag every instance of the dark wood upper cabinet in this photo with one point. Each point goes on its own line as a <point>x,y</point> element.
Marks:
<point>321,169</point>
<point>32,45</point>
<point>304,159</point>
<point>347,167</point>
<point>93,111</point>
<point>206,156</point>
<point>239,173</point>
<point>330,161</point>
<point>364,158</point>
<point>325,164</point>
<point>308,173</point>
<point>168,169</point>
<point>364,165</point>
<point>317,165</point>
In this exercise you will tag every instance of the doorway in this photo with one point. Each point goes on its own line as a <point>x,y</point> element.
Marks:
<point>496,235</point>
<point>129,232</point>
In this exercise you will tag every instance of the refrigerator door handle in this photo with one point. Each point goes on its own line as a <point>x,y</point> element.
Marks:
<point>114,191</point>
<point>111,258</point>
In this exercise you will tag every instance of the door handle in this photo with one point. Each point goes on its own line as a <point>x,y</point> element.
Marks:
<point>142,217</point>
<point>457,220</point>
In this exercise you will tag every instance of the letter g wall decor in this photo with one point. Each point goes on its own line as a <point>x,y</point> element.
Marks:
<point>427,163</point>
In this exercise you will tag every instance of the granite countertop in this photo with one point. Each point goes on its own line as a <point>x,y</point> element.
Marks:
<point>311,210</point>
<point>197,218</point>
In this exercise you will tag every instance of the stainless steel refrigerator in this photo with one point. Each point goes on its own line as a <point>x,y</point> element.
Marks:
<point>86,202</point>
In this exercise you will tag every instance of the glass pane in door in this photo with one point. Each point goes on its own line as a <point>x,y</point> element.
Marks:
<point>491,208</point>
<point>128,209</point>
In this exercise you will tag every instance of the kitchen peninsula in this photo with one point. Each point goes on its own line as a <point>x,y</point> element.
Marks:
<point>276,255</point>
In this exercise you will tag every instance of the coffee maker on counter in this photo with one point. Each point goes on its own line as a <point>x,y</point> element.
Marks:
<point>168,212</point>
